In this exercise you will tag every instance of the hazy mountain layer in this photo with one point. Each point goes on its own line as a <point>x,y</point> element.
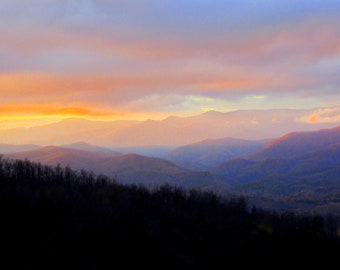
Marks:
<point>10,148</point>
<point>300,168</point>
<point>172,131</point>
<point>209,153</point>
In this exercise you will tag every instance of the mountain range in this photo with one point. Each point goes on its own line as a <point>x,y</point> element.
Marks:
<point>298,169</point>
<point>211,152</point>
<point>172,131</point>
<point>125,168</point>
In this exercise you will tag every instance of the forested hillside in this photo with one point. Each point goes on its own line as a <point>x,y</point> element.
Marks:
<point>58,218</point>
<point>125,168</point>
<point>299,171</point>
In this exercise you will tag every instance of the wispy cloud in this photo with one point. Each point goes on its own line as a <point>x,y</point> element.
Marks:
<point>327,115</point>
<point>164,56</point>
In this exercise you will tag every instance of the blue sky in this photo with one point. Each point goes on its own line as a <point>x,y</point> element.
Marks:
<point>149,59</point>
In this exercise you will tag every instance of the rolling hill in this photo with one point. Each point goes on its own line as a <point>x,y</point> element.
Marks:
<point>299,167</point>
<point>54,155</point>
<point>298,171</point>
<point>92,148</point>
<point>300,152</point>
<point>127,168</point>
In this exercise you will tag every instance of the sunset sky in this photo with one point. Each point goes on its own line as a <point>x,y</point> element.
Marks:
<point>140,59</point>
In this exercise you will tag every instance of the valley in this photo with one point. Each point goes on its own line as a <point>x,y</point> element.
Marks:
<point>298,170</point>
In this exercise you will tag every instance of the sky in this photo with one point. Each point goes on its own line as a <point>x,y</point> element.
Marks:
<point>148,59</point>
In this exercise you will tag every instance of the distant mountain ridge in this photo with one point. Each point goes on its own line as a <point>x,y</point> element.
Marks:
<point>171,131</point>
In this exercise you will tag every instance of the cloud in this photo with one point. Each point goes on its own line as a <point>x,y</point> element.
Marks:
<point>326,115</point>
<point>169,55</point>
<point>175,103</point>
<point>53,109</point>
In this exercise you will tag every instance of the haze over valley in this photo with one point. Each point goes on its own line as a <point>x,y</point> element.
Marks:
<point>276,173</point>
<point>169,134</point>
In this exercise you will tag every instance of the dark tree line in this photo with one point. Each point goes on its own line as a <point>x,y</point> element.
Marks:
<point>59,218</point>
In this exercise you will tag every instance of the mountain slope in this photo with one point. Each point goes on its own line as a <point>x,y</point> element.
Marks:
<point>209,153</point>
<point>53,155</point>
<point>308,182</point>
<point>92,148</point>
<point>298,143</point>
<point>128,168</point>
<point>240,171</point>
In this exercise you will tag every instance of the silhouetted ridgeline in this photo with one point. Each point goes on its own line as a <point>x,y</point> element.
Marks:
<point>57,218</point>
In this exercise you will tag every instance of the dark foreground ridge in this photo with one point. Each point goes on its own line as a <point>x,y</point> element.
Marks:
<point>57,218</point>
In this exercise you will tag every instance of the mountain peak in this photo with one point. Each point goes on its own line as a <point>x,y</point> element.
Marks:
<point>84,146</point>
<point>213,113</point>
<point>78,144</point>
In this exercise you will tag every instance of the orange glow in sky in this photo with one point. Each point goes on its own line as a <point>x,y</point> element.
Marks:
<point>112,60</point>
